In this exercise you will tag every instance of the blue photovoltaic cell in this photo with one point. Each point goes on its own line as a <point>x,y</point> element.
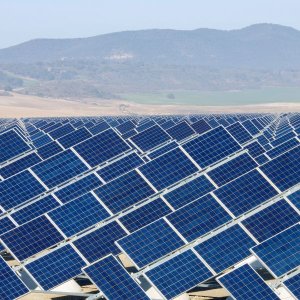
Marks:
<point>11,286</point>
<point>56,267</point>
<point>35,209</point>
<point>199,217</point>
<point>283,148</point>
<point>245,284</point>
<point>201,126</point>
<point>31,238</point>
<point>59,168</point>
<point>232,169</point>
<point>129,134</point>
<point>124,191</point>
<point>168,169</point>
<point>150,243</point>
<point>100,242</point>
<point>101,147</point>
<point>49,150</point>
<point>150,138</point>
<point>11,144</point>
<point>189,192</point>
<point>19,165</point>
<point>145,215</point>
<point>179,274</point>
<point>162,150</point>
<point>180,131</point>
<point>226,248</point>
<point>281,253</point>
<point>120,167</point>
<point>19,188</point>
<point>295,198</point>
<point>211,147</point>
<point>78,188</point>
<point>113,280</point>
<point>245,192</point>
<point>284,170</point>
<point>74,138</point>
<point>271,220</point>
<point>293,284</point>
<point>78,214</point>
<point>5,225</point>
<point>238,131</point>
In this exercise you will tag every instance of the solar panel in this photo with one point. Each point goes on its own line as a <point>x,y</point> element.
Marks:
<point>295,199</point>
<point>6,224</point>
<point>145,215</point>
<point>201,126</point>
<point>189,192</point>
<point>226,248</point>
<point>113,280</point>
<point>238,131</point>
<point>271,220</point>
<point>178,274</point>
<point>78,214</point>
<point>150,138</point>
<point>232,169</point>
<point>255,149</point>
<point>245,284</point>
<point>100,242</point>
<point>101,147</point>
<point>293,285</point>
<point>19,165</point>
<point>180,131</point>
<point>126,126</point>
<point>19,188</point>
<point>61,131</point>
<point>43,140</point>
<point>120,167</point>
<point>124,191</point>
<point>31,238</point>
<point>150,243</point>
<point>211,147</point>
<point>281,252</point>
<point>99,128</point>
<point>199,217</point>
<point>78,188</point>
<point>55,268</point>
<point>35,209</point>
<point>74,137</point>
<point>168,169</point>
<point>11,286</point>
<point>283,148</point>
<point>59,168</point>
<point>49,150</point>
<point>162,150</point>
<point>245,192</point>
<point>284,171</point>
<point>11,145</point>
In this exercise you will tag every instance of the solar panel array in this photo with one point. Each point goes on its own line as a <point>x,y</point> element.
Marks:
<point>185,198</point>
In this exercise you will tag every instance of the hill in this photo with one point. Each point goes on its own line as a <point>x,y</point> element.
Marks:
<point>152,60</point>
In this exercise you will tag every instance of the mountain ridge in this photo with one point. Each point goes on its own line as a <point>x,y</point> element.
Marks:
<point>257,46</point>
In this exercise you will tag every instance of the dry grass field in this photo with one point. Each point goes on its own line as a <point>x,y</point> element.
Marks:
<point>17,106</point>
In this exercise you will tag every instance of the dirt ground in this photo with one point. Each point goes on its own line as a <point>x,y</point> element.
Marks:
<point>17,106</point>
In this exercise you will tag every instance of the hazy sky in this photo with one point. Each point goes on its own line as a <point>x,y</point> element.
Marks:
<point>21,20</point>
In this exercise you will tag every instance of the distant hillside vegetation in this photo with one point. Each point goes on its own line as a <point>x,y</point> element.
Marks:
<point>152,60</point>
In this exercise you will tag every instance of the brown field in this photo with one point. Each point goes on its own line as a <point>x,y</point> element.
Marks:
<point>17,106</point>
